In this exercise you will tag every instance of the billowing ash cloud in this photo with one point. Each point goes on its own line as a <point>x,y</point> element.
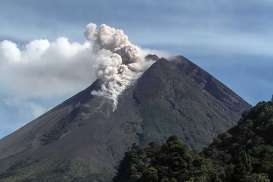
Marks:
<point>44,69</point>
<point>120,61</point>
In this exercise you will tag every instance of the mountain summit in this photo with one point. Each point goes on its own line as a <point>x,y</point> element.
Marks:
<point>83,139</point>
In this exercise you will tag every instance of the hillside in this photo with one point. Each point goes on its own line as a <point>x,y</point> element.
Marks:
<point>243,154</point>
<point>246,151</point>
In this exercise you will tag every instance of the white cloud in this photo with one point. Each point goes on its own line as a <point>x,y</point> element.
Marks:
<point>9,51</point>
<point>46,69</point>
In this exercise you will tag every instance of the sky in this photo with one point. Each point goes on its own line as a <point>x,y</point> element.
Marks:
<point>231,39</point>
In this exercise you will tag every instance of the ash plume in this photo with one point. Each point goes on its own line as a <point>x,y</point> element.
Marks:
<point>120,61</point>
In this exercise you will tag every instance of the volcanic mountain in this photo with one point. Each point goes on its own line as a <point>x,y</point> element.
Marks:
<point>84,139</point>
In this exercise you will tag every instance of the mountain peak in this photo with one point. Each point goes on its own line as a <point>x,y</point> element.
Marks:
<point>172,97</point>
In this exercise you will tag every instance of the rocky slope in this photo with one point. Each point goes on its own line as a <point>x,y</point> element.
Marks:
<point>83,139</point>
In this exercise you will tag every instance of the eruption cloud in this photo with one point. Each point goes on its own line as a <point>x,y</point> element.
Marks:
<point>120,61</point>
<point>60,68</point>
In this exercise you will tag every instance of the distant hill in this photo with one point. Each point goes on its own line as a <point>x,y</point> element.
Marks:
<point>83,139</point>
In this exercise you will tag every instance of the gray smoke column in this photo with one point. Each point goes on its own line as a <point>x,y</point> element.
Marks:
<point>120,62</point>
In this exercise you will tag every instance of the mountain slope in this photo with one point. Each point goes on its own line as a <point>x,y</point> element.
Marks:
<point>189,99</point>
<point>83,139</point>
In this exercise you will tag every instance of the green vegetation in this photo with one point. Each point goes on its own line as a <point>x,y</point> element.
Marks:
<point>170,162</point>
<point>243,154</point>
<point>246,151</point>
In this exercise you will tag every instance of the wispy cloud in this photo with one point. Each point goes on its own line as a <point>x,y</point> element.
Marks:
<point>223,42</point>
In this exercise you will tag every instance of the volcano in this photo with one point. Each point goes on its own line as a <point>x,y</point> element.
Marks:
<point>84,139</point>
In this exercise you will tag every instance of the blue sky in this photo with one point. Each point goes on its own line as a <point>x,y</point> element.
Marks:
<point>231,39</point>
